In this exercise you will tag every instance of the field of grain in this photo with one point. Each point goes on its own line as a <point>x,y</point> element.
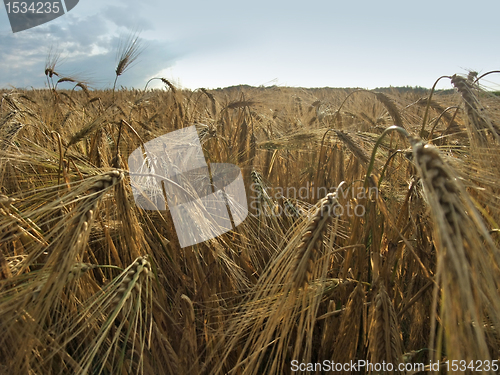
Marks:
<point>400,263</point>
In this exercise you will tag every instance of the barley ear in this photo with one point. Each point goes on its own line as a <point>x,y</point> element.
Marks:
<point>346,345</point>
<point>128,52</point>
<point>384,337</point>
<point>309,249</point>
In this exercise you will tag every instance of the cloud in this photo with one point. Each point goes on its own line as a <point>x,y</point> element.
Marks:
<point>223,42</point>
<point>88,48</point>
<point>127,16</point>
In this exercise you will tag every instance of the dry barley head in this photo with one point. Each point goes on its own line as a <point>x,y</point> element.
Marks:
<point>384,337</point>
<point>466,253</point>
<point>311,243</point>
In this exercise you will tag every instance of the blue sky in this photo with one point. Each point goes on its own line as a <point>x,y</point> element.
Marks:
<point>289,43</point>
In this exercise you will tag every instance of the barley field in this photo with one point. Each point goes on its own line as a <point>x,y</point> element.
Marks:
<point>372,232</point>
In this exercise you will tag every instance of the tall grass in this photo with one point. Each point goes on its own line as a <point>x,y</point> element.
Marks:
<point>361,243</point>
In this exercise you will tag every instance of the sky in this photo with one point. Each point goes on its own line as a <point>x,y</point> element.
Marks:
<point>220,43</point>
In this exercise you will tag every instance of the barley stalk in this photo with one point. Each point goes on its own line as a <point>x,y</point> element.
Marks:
<point>384,336</point>
<point>346,343</point>
<point>391,108</point>
<point>309,248</point>
<point>462,256</point>
<point>478,121</point>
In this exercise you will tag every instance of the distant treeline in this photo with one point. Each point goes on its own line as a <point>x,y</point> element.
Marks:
<point>393,89</point>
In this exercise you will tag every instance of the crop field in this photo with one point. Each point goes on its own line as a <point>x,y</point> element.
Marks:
<point>372,233</point>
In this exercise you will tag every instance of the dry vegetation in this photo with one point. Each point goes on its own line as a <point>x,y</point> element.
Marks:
<point>92,284</point>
